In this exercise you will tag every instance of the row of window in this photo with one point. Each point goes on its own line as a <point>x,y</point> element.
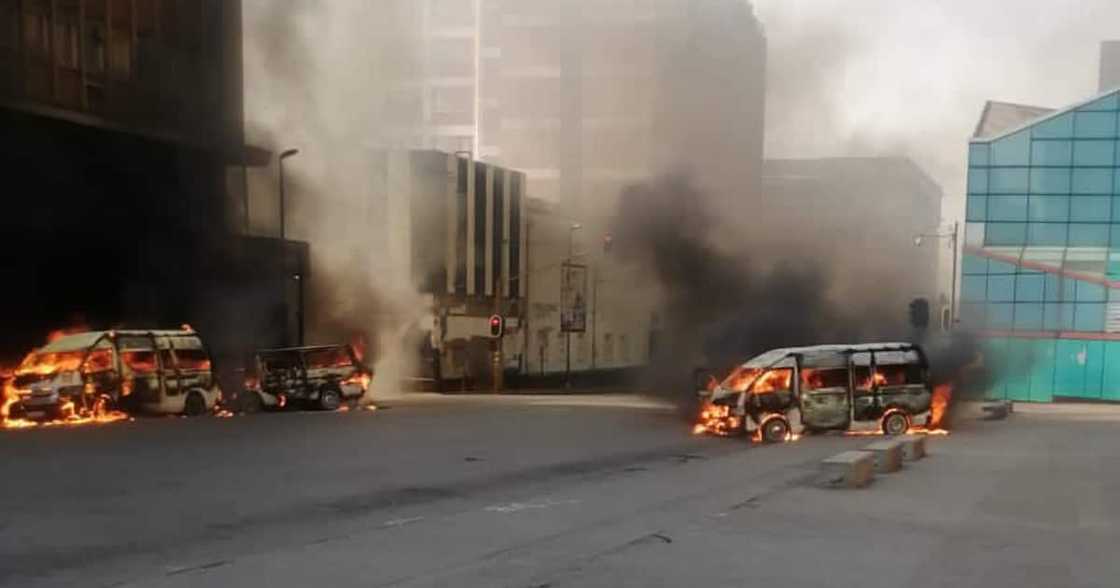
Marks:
<point>1029,288</point>
<point>1035,316</point>
<point>1043,208</point>
<point>1046,152</point>
<point>1043,234</point>
<point>1043,180</point>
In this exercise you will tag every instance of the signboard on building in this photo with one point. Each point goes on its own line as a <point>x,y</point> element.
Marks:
<point>573,298</point>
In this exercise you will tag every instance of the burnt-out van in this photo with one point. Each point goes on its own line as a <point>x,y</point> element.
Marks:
<point>821,388</point>
<point>161,372</point>
<point>324,376</point>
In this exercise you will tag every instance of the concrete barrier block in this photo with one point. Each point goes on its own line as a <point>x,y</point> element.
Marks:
<point>851,469</point>
<point>913,447</point>
<point>888,455</point>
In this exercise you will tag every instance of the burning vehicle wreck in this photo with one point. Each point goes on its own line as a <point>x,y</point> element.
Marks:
<point>326,377</point>
<point>785,392</point>
<point>87,374</point>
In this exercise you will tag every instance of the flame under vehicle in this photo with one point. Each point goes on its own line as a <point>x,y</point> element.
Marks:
<point>827,387</point>
<point>325,377</point>
<point>161,372</point>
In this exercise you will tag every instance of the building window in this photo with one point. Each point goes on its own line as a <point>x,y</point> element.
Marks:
<point>1051,152</point>
<point>36,28</point>
<point>9,24</point>
<point>67,41</point>
<point>96,51</point>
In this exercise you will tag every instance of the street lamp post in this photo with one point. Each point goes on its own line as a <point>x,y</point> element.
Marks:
<point>568,332</point>
<point>283,199</point>
<point>954,236</point>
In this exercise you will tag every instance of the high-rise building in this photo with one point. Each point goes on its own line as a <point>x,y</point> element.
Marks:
<point>588,96</point>
<point>122,152</point>
<point>1110,66</point>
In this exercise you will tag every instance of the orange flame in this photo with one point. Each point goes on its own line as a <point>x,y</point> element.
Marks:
<point>942,396</point>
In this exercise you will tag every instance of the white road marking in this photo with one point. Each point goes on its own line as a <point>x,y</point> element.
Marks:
<point>520,506</point>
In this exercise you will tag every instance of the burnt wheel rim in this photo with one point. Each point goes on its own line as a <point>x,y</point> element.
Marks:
<point>329,399</point>
<point>775,431</point>
<point>895,424</point>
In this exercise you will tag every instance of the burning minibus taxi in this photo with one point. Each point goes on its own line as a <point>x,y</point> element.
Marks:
<point>162,372</point>
<point>325,377</point>
<point>786,392</point>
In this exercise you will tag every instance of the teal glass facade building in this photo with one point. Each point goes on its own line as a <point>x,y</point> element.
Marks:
<point>1040,270</point>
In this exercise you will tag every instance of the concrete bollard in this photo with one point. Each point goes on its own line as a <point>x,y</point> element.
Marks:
<point>913,447</point>
<point>888,455</point>
<point>851,469</point>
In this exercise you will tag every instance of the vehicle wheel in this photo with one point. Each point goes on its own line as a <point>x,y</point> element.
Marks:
<point>896,423</point>
<point>775,430</point>
<point>251,402</point>
<point>329,399</point>
<point>195,404</point>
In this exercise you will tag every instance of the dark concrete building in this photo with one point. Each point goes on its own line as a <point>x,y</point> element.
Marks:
<point>123,156</point>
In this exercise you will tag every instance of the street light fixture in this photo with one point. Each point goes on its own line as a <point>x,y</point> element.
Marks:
<point>286,154</point>
<point>954,236</point>
<point>568,332</point>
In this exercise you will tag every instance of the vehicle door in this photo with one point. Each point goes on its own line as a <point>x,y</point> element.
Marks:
<point>865,403</point>
<point>824,391</point>
<point>901,379</point>
<point>193,366</point>
<point>141,380</point>
<point>172,380</point>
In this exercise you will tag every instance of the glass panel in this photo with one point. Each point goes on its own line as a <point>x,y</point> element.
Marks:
<point>979,154</point>
<point>999,316</point>
<point>1048,234</point>
<point>974,288</point>
<point>976,209</point>
<point>1090,292</point>
<point>977,181</point>
<point>972,314</point>
<point>1012,150</point>
<point>1009,180</point>
<point>1053,287</point>
<point>1059,127</point>
<point>1052,153</point>
<point>1049,208</point>
<point>1057,317</point>
<point>1050,181</point>
<point>1095,124</point>
<point>1007,208</point>
<point>1006,234</point>
<point>1099,153</point>
<point>1114,240</point>
<point>1028,288</point>
<point>1001,288</point>
<point>1092,181</point>
<point>1046,257</point>
<point>1002,267</point>
<point>1028,317</point>
<point>973,264</point>
<point>1084,235</point>
<point>1109,102</point>
<point>1088,317</point>
<point>1115,211</point>
<point>974,234</point>
<point>1090,208</point>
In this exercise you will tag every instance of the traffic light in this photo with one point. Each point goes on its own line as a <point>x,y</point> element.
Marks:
<point>919,313</point>
<point>497,326</point>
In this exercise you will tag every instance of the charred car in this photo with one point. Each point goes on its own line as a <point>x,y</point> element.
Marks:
<point>163,372</point>
<point>826,387</point>
<point>324,377</point>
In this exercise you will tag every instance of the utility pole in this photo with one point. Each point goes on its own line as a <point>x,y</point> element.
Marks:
<point>566,278</point>
<point>953,294</point>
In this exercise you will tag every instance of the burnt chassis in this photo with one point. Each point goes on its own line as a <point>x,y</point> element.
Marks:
<point>301,384</point>
<point>833,407</point>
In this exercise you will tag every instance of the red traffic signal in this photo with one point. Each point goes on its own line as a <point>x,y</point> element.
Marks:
<point>497,325</point>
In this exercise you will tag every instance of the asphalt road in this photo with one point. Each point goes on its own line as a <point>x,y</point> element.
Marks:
<point>548,491</point>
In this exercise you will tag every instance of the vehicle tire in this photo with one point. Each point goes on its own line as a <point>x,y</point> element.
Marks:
<point>251,402</point>
<point>775,430</point>
<point>195,404</point>
<point>895,422</point>
<point>330,399</point>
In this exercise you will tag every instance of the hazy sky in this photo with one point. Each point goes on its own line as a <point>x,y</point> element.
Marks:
<point>910,77</point>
